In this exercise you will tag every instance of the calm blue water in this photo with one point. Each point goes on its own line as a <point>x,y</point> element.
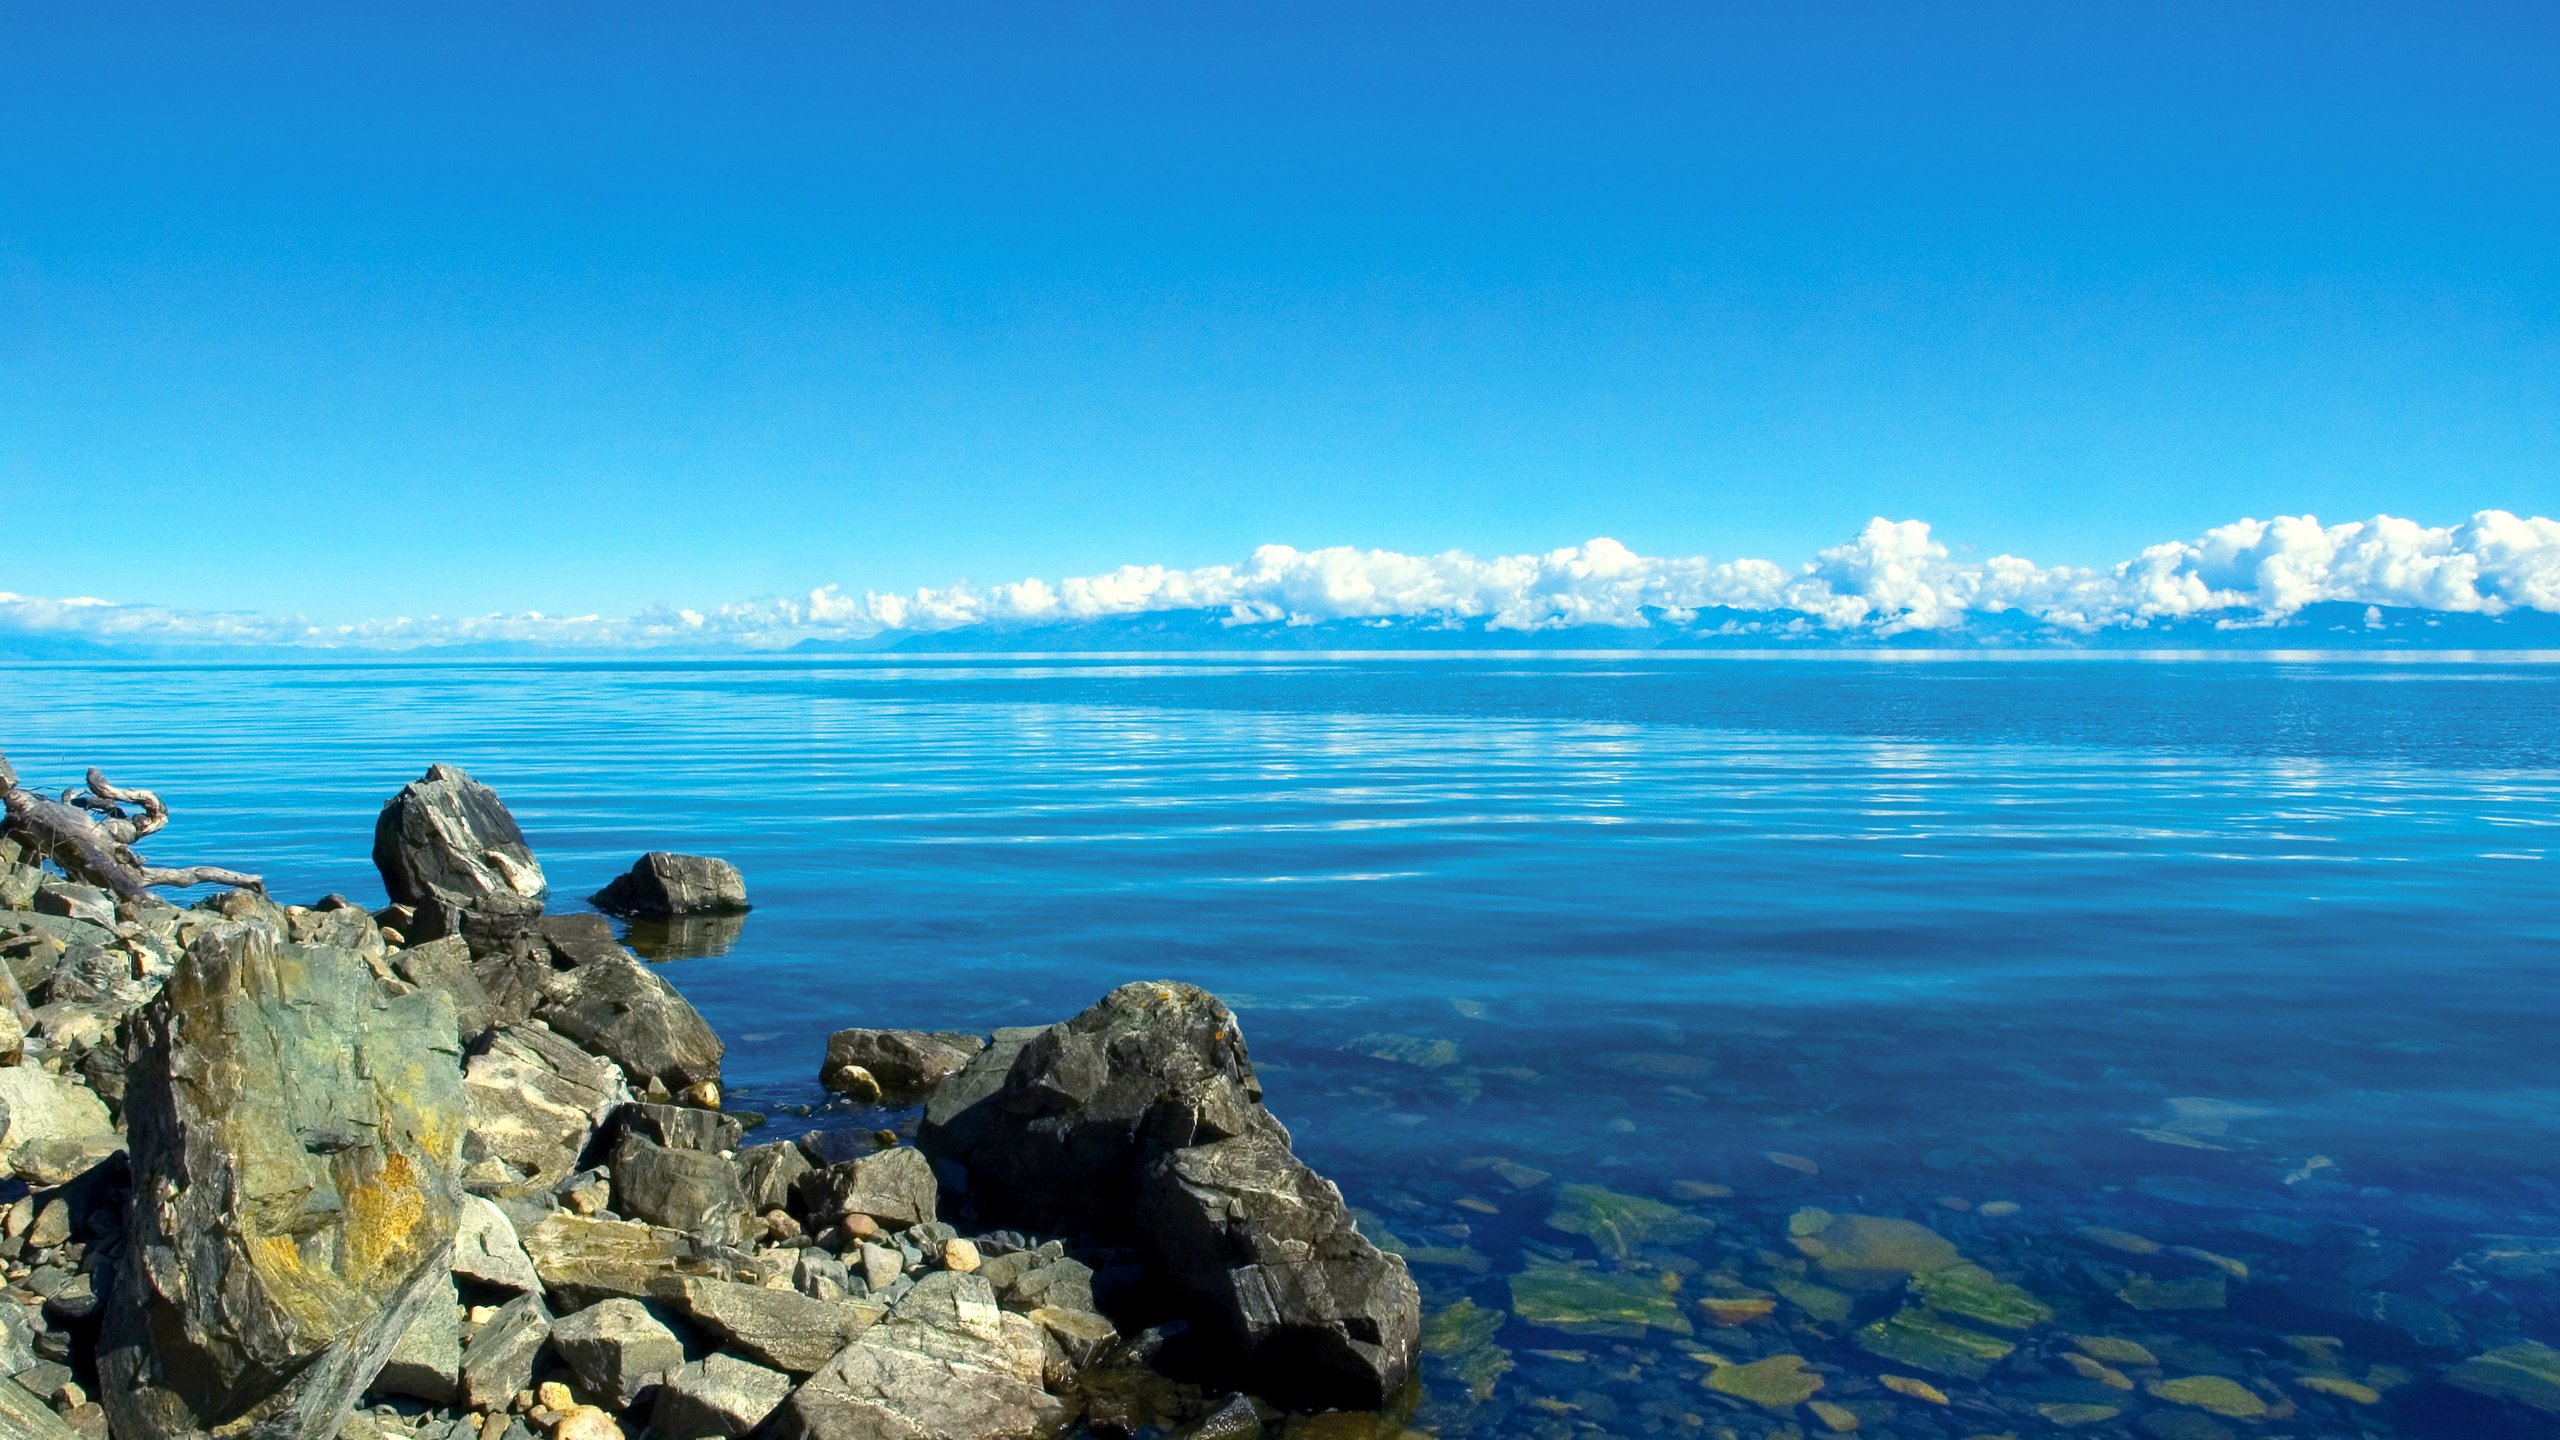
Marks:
<point>2255,957</point>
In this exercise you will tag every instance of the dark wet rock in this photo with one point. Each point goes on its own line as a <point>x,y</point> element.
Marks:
<point>904,1066</point>
<point>617,1349</point>
<point>446,965</point>
<point>499,1359</point>
<point>583,1260</point>
<point>719,1397</point>
<point>446,844</point>
<point>296,1137</point>
<point>621,1009</point>
<point>1263,1246</point>
<point>690,1190</point>
<point>782,1328</point>
<point>1140,1122</point>
<point>895,1187</point>
<point>660,884</point>
<point>534,1099</point>
<point>679,1127</point>
<point>947,1364</point>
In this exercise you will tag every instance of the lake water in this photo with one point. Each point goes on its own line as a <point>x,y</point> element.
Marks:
<point>2213,1004</point>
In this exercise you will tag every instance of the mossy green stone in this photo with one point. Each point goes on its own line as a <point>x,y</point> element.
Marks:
<point>2212,1393</point>
<point>1924,1341</point>
<point>2068,1414</point>
<point>2115,1350</point>
<point>1970,1292</point>
<point>1873,1250</point>
<point>1587,1302</point>
<point>1777,1383</point>
<point>1620,1224</point>
<point>1462,1326</point>
<point>2526,1373</point>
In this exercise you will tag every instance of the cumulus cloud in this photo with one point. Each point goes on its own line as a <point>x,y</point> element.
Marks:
<point>1894,577</point>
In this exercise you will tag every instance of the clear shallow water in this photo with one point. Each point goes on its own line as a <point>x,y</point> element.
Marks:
<point>2255,958</point>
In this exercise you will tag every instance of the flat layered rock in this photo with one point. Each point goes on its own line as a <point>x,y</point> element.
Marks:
<point>583,1260</point>
<point>947,1364</point>
<point>533,1099</point>
<point>781,1328</point>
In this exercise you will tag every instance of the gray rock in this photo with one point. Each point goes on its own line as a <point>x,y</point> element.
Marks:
<point>617,1348</point>
<point>620,1008</point>
<point>1140,1122</point>
<point>660,884</point>
<point>781,1328</point>
<point>487,1252</point>
<point>446,843</point>
<point>690,1190</point>
<point>295,1132</point>
<point>446,965</point>
<point>583,1260</point>
<point>680,1127</point>
<point>948,1364</point>
<point>24,1417</point>
<point>575,940</point>
<point>1058,1284</point>
<point>499,1359</point>
<point>881,1266</point>
<point>17,1339</point>
<point>906,1065</point>
<point>427,1363</point>
<point>822,1276</point>
<point>895,1187</point>
<point>718,1397</point>
<point>41,1112</point>
<point>769,1173</point>
<point>534,1100</point>
<point>1081,1336</point>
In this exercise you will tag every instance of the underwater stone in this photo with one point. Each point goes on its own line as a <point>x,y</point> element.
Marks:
<point>2196,1292</point>
<point>1970,1292</point>
<point>1779,1382</point>
<point>1924,1341</point>
<point>1586,1302</point>
<point>2526,1373</point>
<point>2211,1393</point>
<point>1871,1251</point>
<point>1823,1303</point>
<point>1622,1224</point>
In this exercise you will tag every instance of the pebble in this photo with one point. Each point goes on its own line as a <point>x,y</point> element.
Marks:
<point>554,1396</point>
<point>1797,1163</point>
<point>960,1255</point>
<point>587,1423</point>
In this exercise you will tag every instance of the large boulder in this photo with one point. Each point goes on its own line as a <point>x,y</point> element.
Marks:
<point>947,1364</point>
<point>1140,1123</point>
<point>900,1066</point>
<point>446,844</point>
<point>695,1191</point>
<point>296,1133</point>
<point>660,885</point>
<point>619,1008</point>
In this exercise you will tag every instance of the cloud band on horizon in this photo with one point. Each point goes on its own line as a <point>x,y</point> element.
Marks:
<point>1893,578</point>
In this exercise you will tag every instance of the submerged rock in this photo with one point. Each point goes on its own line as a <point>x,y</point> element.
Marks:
<point>660,884</point>
<point>1869,1251</point>
<point>1923,1340</point>
<point>296,1139</point>
<point>1588,1302</point>
<point>1621,1224</point>
<point>2527,1373</point>
<point>1779,1382</point>
<point>1140,1122</point>
<point>446,844</point>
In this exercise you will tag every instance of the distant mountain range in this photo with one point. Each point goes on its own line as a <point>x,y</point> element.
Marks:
<point>2332,626</point>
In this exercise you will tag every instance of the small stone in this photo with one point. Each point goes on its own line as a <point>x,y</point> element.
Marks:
<point>1730,1310</point>
<point>2340,1387</point>
<point>1838,1419</point>
<point>1700,1190</point>
<point>2122,1241</point>
<point>553,1396</point>
<point>1785,1161</point>
<point>860,1226</point>
<point>587,1423</point>
<point>2114,1349</point>
<point>1913,1387</point>
<point>2089,1369</point>
<point>1997,1209</point>
<point>704,1095</point>
<point>960,1255</point>
<point>1779,1382</point>
<point>2070,1414</point>
<point>2212,1393</point>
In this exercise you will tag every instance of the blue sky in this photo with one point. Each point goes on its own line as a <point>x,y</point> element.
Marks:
<point>346,313</point>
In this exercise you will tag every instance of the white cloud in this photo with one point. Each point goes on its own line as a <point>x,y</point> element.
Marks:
<point>1892,577</point>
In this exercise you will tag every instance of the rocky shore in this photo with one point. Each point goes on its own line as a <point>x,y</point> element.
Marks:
<point>458,1168</point>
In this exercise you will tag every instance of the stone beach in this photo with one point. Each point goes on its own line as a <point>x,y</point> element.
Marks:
<point>301,1171</point>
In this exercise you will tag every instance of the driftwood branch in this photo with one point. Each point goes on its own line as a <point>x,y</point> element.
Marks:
<point>89,835</point>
